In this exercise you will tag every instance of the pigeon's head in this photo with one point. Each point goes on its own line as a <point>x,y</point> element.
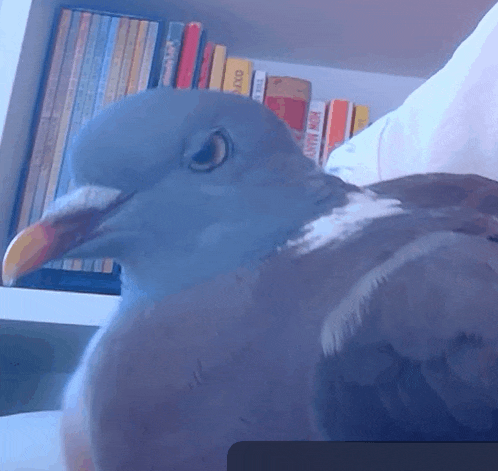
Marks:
<point>177,180</point>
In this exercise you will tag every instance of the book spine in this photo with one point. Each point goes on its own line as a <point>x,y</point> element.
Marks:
<point>106,64</point>
<point>238,75</point>
<point>337,114</point>
<point>207,59</point>
<point>65,118</point>
<point>314,131</point>
<point>289,98</point>
<point>188,55</point>
<point>348,130</point>
<point>150,45</point>
<point>117,60</point>
<point>124,73</point>
<point>258,86</point>
<point>138,53</point>
<point>198,61</point>
<point>172,53</point>
<point>45,121</point>
<point>50,150</point>
<point>90,99</point>
<point>361,118</point>
<point>79,101</point>
<point>106,265</point>
<point>217,67</point>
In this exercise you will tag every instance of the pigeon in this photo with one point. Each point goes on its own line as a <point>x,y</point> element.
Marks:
<point>263,299</point>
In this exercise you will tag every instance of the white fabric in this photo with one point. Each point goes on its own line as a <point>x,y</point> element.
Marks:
<point>31,442</point>
<point>449,124</point>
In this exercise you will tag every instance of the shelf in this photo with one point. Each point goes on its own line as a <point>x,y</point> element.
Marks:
<point>59,307</point>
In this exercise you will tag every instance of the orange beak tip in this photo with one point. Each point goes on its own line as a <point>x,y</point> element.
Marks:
<point>27,251</point>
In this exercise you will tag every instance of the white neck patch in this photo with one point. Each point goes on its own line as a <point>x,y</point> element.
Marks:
<point>361,209</point>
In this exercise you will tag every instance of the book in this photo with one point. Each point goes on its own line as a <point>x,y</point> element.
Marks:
<point>124,73</point>
<point>46,122</point>
<point>207,59</point>
<point>314,130</point>
<point>136,62</point>
<point>106,63</point>
<point>150,45</point>
<point>360,118</point>
<point>336,127</point>
<point>117,60</point>
<point>258,86</point>
<point>172,53</point>
<point>188,55</point>
<point>217,67</point>
<point>200,56</point>
<point>238,76</point>
<point>289,98</point>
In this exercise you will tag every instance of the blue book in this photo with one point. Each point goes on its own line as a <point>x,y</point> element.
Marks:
<point>198,63</point>
<point>79,101</point>
<point>106,64</point>
<point>171,54</point>
<point>91,93</point>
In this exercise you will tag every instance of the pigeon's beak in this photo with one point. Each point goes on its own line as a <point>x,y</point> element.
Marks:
<point>71,221</point>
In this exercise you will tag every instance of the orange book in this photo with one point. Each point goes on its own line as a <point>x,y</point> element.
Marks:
<point>188,54</point>
<point>138,54</point>
<point>217,67</point>
<point>117,60</point>
<point>336,125</point>
<point>238,76</point>
<point>46,125</point>
<point>289,98</point>
<point>124,73</point>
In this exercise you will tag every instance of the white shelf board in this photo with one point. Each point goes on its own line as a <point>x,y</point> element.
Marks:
<point>60,307</point>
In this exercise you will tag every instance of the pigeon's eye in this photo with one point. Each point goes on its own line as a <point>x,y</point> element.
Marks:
<point>213,153</point>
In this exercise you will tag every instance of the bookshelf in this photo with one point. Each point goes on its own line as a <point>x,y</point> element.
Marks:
<point>382,92</point>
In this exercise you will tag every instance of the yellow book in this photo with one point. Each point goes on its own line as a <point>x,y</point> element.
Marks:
<point>238,76</point>
<point>138,54</point>
<point>218,67</point>
<point>361,116</point>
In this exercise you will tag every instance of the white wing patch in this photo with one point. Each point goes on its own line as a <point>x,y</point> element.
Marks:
<point>361,209</point>
<point>344,321</point>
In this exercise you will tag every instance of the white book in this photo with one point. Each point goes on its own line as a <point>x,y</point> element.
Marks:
<point>349,122</point>
<point>258,85</point>
<point>314,130</point>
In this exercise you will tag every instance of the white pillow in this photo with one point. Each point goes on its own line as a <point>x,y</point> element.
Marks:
<point>449,124</point>
<point>31,442</point>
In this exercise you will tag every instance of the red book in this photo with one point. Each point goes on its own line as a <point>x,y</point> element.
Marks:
<point>336,126</point>
<point>289,98</point>
<point>206,65</point>
<point>188,54</point>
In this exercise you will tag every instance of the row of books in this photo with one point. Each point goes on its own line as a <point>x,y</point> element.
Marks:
<point>98,58</point>
<point>318,126</point>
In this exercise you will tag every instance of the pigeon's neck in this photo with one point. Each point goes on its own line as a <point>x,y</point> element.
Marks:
<point>223,246</point>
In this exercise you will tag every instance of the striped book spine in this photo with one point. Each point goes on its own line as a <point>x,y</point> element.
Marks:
<point>188,55</point>
<point>150,45</point>
<point>46,122</point>
<point>207,59</point>
<point>124,73</point>
<point>218,67</point>
<point>69,102</point>
<point>172,53</point>
<point>106,64</point>
<point>238,76</point>
<point>90,99</point>
<point>117,60</point>
<point>258,86</point>
<point>138,55</point>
